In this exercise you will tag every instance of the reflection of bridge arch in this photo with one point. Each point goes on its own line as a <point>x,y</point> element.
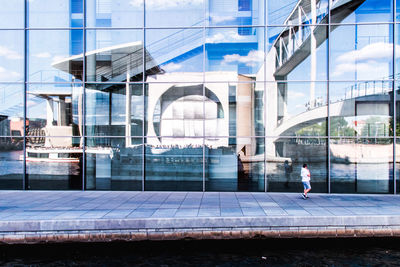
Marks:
<point>344,108</point>
<point>175,93</point>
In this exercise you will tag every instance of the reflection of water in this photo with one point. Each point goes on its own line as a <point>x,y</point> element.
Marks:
<point>361,177</point>
<point>52,168</point>
<point>10,162</point>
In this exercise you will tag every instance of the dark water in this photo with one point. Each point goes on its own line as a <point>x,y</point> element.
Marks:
<point>289,252</point>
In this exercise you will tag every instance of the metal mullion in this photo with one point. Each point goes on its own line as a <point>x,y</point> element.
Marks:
<point>265,95</point>
<point>204,84</point>
<point>394,83</point>
<point>25,177</point>
<point>83,171</point>
<point>328,129</point>
<point>144,96</point>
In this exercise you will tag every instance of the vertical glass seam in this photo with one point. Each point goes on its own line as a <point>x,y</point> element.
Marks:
<point>84,100</point>
<point>328,129</point>
<point>394,98</point>
<point>144,96</point>
<point>265,95</point>
<point>204,90</point>
<point>24,176</point>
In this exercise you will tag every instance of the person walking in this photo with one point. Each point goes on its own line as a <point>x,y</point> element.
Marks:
<point>305,178</point>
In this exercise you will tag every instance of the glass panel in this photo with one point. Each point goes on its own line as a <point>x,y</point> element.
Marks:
<point>55,13</point>
<point>114,55</point>
<point>296,108</point>
<point>397,50</point>
<point>361,52</point>
<point>397,10</point>
<point>173,13</point>
<point>241,13</point>
<point>174,55</point>
<point>234,109</point>
<point>54,110</point>
<point>114,163</point>
<point>174,164</point>
<point>55,55</point>
<point>285,158</point>
<point>361,108</point>
<point>362,165</point>
<point>296,12</point>
<point>362,11</point>
<point>54,163</point>
<point>114,13</point>
<point>12,14</point>
<point>11,109</point>
<point>11,162</point>
<point>297,53</point>
<point>107,113</point>
<point>175,110</point>
<point>397,166</point>
<point>11,56</point>
<point>234,164</point>
<point>231,52</point>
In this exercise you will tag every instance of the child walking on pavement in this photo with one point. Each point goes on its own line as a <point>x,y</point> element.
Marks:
<point>305,178</point>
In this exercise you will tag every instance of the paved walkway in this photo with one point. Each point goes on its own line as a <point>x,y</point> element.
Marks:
<point>35,216</point>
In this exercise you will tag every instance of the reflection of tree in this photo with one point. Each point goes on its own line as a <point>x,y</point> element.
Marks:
<point>391,127</point>
<point>375,126</point>
<point>318,129</point>
<point>339,127</point>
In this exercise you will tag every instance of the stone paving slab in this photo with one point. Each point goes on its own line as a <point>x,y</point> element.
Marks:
<point>196,214</point>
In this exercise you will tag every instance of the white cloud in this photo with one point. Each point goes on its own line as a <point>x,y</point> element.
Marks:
<point>9,75</point>
<point>252,58</point>
<point>219,19</point>
<point>166,4</point>
<point>369,59</point>
<point>374,51</point>
<point>9,54</point>
<point>171,67</point>
<point>296,94</point>
<point>225,37</point>
<point>43,55</point>
<point>57,58</point>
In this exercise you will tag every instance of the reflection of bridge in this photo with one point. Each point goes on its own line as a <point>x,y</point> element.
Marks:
<point>356,102</point>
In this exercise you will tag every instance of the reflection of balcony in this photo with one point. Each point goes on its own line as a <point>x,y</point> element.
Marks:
<point>306,31</point>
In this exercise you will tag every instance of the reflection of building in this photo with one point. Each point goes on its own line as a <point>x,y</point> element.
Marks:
<point>222,94</point>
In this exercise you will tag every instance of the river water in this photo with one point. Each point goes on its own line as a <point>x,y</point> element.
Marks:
<point>270,252</point>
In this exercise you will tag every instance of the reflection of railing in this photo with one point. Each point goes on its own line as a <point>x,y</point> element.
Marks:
<point>294,35</point>
<point>160,47</point>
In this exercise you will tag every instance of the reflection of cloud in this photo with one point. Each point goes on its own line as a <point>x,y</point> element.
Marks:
<point>219,19</point>
<point>370,58</point>
<point>252,58</point>
<point>374,51</point>
<point>8,53</point>
<point>42,55</point>
<point>58,58</point>
<point>225,37</point>
<point>170,67</point>
<point>296,94</point>
<point>8,75</point>
<point>166,4</point>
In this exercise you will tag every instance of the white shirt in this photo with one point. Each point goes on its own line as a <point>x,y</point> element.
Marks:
<point>305,175</point>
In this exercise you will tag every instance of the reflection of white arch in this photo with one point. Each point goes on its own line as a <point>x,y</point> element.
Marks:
<point>159,85</point>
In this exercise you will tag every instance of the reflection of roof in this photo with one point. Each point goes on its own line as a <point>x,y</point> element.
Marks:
<point>111,62</point>
<point>122,49</point>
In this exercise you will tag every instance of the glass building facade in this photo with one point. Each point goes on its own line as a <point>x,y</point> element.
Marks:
<point>200,95</point>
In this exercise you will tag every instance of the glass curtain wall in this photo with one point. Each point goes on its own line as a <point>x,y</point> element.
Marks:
<point>200,95</point>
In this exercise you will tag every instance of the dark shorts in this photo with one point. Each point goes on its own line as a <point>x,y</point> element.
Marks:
<point>306,185</point>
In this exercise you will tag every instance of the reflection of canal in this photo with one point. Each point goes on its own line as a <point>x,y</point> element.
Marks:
<point>345,177</point>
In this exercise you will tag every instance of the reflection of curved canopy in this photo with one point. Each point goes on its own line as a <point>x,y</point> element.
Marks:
<point>176,92</point>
